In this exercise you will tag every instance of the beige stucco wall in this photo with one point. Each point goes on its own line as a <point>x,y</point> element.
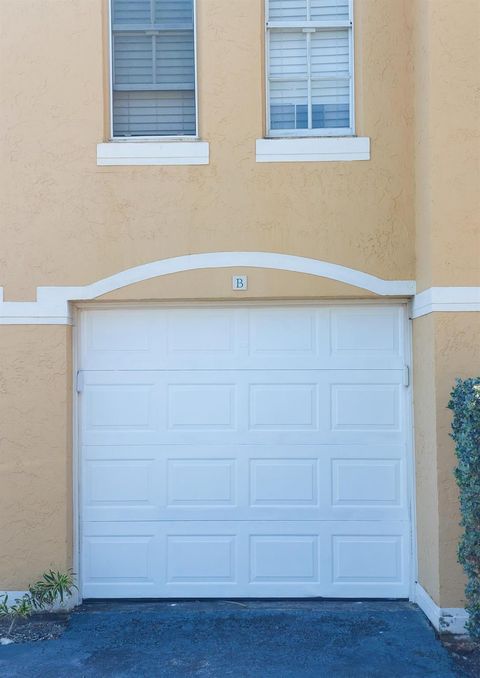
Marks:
<point>447,225</point>
<point>71,222</point>
<point>35,452</point>
<point>446,346</point>
<point>447,142</point>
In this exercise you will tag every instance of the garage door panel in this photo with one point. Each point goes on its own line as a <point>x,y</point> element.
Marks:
<point>243,406</point>
<point>346,337</point>
<point>363,332</point>
<point>244,482</point>
<point>244,451</point>
<point>254,559</point>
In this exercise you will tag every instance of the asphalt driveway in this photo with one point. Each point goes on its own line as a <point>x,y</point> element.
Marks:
<point>249,639</point>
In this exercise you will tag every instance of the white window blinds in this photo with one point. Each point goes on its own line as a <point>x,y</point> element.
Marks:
<point>309,64</point>
<point>153,69</point>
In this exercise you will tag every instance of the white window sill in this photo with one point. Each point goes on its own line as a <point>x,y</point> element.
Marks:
<point>153,153</point>
<point>313,149</point>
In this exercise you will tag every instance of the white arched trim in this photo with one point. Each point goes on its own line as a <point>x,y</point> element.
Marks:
<point>52,305</point>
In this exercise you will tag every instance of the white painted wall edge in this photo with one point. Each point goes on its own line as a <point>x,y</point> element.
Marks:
<point>443,619</point>
<point>153,153</point>
<point>68,604</point>
<point>52,305</point>
<point>437,299</point>
<point>313,149</point>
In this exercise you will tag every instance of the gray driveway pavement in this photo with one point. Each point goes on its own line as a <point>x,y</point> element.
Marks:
<point>249,639</point>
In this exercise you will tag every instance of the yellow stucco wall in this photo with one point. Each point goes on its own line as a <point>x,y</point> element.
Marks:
<point>71,222</point>
<point>35,452</point>
<point>447,142</point>
<point>446,346</point>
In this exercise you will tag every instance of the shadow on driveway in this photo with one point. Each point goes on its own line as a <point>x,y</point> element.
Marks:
<point>248,639</point>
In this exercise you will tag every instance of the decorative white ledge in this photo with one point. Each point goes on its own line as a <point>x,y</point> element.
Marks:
<point>438,299</point>
<point>53,303</point>
<point>313,149</point>
<point>153,153</point>
<point>443,619</point>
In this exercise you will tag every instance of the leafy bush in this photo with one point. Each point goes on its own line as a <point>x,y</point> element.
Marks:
<point>41,595</point>
<point>465,403</point>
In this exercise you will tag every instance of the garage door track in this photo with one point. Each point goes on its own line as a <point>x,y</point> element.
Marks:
<point>241,639</point>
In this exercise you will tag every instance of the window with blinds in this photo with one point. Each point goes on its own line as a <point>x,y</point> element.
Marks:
<point>153,68</point>
<point>309,67</point>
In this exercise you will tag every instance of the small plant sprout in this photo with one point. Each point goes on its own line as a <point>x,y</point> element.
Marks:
<point>42,595</point>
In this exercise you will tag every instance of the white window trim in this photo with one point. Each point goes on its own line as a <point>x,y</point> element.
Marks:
<point>150,138</point>
<point>313,149</point>
<point>172,152</point>
<point>327,132</point>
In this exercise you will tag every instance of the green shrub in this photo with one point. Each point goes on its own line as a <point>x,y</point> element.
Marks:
<point>42,595</point>
<point>465,403</point>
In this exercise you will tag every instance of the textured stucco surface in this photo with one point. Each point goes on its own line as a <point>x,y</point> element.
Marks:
<point>35,452</point>
<point>446,346</point>
<point>426,455</point>
<point>447,142</point>
<point>71,222</point>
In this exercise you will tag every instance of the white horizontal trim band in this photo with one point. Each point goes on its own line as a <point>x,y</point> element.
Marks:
<point>446,619</point>
<point>438,299</point>
<point>153,153</point>
<point>52,305</point>
<point>314,149</point>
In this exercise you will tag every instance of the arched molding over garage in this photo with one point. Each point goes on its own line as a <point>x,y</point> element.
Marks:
<point>52,305</point>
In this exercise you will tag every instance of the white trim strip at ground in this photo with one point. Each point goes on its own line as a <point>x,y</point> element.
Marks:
<point>443,619</point>
<point>68,604</point>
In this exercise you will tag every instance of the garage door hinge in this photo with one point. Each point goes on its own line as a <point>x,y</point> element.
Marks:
<point>406,375</point>
<point>79,381</point>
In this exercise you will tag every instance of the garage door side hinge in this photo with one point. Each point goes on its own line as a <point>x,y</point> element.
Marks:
<point>79,381</point>
<point>406,375</point>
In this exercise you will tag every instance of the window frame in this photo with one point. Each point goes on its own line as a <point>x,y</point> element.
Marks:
<point>151,138</point>
<point>317,132</point>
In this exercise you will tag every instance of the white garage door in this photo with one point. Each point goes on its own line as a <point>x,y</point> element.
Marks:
<point>244,451</point>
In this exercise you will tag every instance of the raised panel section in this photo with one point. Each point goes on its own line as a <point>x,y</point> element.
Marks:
<point>200,331</point>
<point>367,558</point>
<point>119,406</point>
<point>119,482</point>
<point>201,406</point>
<point>371,407</point>
<point>200,558</point>
<point>283,482</point>
<point>283,406</point>
<point>366,482</point>
<point>286,558</point>
<point>365,330</point>
<point>268,331</point>
<point>206,482</point>
<point>114,558</point>
<point>118,331</point>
